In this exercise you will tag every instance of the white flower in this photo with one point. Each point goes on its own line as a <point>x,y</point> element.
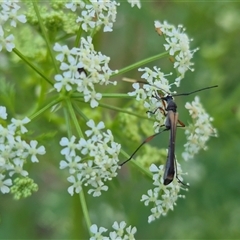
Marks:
<point>172,46</point>
<point>6,42</point>
<point>139,92</point>
<point>7,134</point>
<point>95,130</point>
<point>17,167</point>
<point>64,81</point>
<point>97,190</point>
<point>17,123</point>
<point>20,147</point>
<point>130,232</point>
<point>72,66</point>
<point>71,146</point>
<point>33,150</point>
<point>73,5</point>
<point>73,163</point>
<point>5,184</point>
<point>93,97</point>
<point>97,232</point>
<point>151,197</point>
<point>135,2</point>
<point>2,162</point>
<point>65,52</point>
<point>14,18</point>
<point>119,228</point>
<point>87,147</point>
<point>76,184</point>
<point>87,21</point>
<point>3,113</point>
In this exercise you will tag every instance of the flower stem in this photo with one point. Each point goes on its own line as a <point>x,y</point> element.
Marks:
<point>81,194</point>
<point>74,118</point>
<point>35,68</point>
<point>138,165</point>
<point>68,122</point>
<point>85,211</point>
<point>45,35</point>
<point>124,111</point>
<point>78,110</point>
<point>105,95</point>
<point>79,33</point>
<point>140,63</point>
<point>48,106</point>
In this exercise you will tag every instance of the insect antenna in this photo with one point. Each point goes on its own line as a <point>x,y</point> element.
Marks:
<point>199,90</point>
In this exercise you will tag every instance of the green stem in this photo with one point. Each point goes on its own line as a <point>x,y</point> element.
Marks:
<point>74,118</point>
<point>81,194</point>
<point>68,123</point>
<point>105,95</point>
<point>48,106</point>
<point>124,111</point>
<point>116,95</point>
<point>78,110</point>
<point>138,165</point>
<point>45,35</point>
<point>35,68</point>
<point>112,108</point>
<point>78,37</point>
<point>64,37</point>
<point>85,211</point>
<point>140,63</point>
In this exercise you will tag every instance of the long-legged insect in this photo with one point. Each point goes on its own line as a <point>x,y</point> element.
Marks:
<point>170,124</point>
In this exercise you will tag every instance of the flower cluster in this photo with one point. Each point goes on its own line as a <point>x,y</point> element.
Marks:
<point>155,81</point>
<point>178,46</point>
<point>82,68</point>
<point>9,15</point>
<point>91,162</point>
<point>95,14</point>
<point>169,193</point>
<point>120,232</point>
<point>199,131</point>
<point>14,151</point>
<point>23,187</point>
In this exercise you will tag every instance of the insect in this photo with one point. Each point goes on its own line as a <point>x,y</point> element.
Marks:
<point>171,122</point>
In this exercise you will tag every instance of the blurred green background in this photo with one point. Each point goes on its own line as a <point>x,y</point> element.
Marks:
<point>211,209</point>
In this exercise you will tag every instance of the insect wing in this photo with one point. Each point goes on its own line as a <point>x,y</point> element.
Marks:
<point>170,163</point>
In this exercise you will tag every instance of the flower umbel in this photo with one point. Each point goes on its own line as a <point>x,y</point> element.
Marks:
<point>163,197</point>
<point>199,131</point>
<point>14,152</point>
<point>178,46</point>
<point>91,162</point>
<point>82,68</point>
<point>95,14</point>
